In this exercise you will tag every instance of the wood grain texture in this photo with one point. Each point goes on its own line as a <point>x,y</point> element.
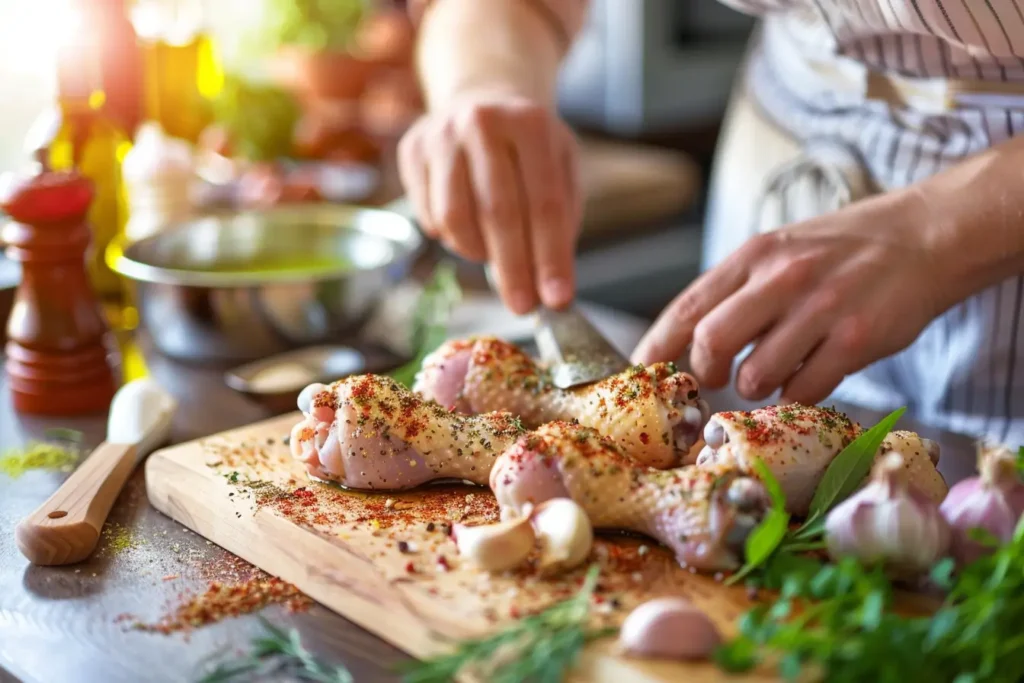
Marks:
<point>66,528</point>
<point>352,565</point>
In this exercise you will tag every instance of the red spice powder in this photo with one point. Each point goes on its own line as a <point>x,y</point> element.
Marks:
<point>323,505</point>
<point>221,601</point>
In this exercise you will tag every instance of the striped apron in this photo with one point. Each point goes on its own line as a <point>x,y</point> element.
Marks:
<point>811,128</point>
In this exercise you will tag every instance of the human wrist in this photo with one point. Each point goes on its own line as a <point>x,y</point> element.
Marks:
<point>974,237</point>
<point>490,85</point>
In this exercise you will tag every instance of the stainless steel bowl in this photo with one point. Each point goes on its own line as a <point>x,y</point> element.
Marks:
<point>197,303</point>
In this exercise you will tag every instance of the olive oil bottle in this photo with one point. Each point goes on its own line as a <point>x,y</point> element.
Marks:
<point>80,135</point>
<point>182,70</point>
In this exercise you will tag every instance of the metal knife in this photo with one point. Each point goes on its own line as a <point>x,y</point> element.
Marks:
<point>575,352</point>
<point>572,348</point>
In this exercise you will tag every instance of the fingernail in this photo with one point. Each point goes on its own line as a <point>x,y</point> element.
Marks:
<point>521,302</point>
<point>557,292</point>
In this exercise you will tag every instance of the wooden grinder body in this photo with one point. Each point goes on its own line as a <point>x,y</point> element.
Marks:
<point>57,358</point>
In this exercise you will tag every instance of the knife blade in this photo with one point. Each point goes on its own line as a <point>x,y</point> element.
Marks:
<point>572,348</point>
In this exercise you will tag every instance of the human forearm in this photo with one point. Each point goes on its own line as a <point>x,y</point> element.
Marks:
<point>972,218</point>
<point>514,45</point>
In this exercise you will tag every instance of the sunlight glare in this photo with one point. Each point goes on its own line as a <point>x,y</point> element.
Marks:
<point>30,34</point>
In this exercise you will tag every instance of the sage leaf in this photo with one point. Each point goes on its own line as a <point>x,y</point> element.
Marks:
<point>769,534</point>
<point>847,471</point>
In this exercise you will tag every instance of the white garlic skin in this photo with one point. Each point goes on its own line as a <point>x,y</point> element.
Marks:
<point>565,533</point>
<point>889,522</point>
<point>496,547</point>
<point>669,628</point>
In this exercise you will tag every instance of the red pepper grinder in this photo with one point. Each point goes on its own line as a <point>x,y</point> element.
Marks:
<point>57,359</point>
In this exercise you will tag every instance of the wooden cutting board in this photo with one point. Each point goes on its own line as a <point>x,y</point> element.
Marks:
<point>243,491</point>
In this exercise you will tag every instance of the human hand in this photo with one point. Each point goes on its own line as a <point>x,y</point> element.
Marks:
<point>821,299</point>
<point>493,176</point>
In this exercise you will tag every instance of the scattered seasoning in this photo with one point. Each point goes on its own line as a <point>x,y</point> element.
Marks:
<point>221,601</point>
<point>39,455</point>
<point>119,539</point>
<point>410,568</point>
<point>403,546</point>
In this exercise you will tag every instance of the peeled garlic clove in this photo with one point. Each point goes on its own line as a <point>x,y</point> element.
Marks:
<point>669,628</point>
<point>496,547</point>
<point>565,533</point>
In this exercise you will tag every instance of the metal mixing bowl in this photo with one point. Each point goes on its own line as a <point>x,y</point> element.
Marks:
<point>195,308</point>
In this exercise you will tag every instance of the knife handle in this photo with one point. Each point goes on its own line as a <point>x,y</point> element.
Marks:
<point>66,528</point>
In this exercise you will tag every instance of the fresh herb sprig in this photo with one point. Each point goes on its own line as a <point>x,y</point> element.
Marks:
<point>279,652</point>
<point>540,647</point>
<point>771,542</point>
<point>430,319</point>
<point>838,621</point>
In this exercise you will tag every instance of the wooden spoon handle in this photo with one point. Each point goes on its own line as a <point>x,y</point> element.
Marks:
<point>66,528</point>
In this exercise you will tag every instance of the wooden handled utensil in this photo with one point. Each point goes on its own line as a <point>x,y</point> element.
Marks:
<point>66,528</point>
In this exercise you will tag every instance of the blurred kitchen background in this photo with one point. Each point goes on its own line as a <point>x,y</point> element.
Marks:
<point>275,101</point>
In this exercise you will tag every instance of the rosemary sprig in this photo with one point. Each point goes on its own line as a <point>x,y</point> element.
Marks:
<point>280,652</point>
<point>430,321</point>
<point>542,647</point>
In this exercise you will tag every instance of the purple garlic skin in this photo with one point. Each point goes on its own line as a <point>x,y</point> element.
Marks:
<point>889,522</point>
<point>992,501</point>
<point>669,628</point>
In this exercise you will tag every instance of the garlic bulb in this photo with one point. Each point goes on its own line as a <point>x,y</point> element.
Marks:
<point>993,501</point>
<point>496,547</point>
<point>669,628</point>
<point>565,533</point>
<point>889,522</point>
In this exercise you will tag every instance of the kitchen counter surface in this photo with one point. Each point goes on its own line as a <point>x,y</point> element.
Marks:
<point>64,624</point>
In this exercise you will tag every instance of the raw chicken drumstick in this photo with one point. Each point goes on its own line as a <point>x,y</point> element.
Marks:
<point>653,414</point>
<point>703,514</point>
<point>797,443</point>
<point>370,432</point>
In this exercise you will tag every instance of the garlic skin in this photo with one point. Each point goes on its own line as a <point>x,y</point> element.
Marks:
<point>565,533</point>
<point>669,628</point>
<point>993,501</point>
<point>889,522</point>
<point>496,547</point>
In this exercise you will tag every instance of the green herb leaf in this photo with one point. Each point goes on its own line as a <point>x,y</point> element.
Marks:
<point>766,536</point>
<point>983,537</point>
<point>282,651</point>
<point>839,623</point>
<point>848,470</point>
<point>942,573</point>
<point>430,322</point>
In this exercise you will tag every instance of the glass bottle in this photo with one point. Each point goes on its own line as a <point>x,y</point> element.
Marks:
<point>182,70</point>
<point>79,135</point>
